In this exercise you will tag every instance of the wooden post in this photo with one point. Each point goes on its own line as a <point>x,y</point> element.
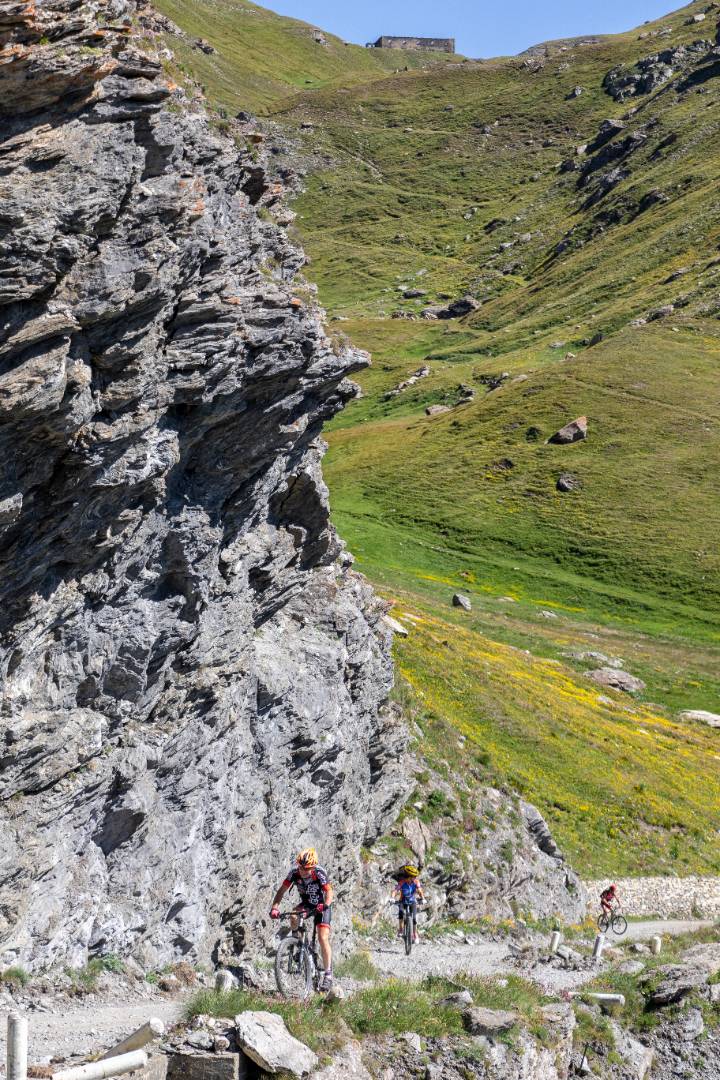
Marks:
<point>99,1070</point>
<point>17,1046</point>
<point>554,942</point>
<point>598,947</point>
<point>655,944</point>
<point>144,1035</point>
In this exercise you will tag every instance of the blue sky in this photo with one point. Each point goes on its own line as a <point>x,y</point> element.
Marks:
<point>481,27</point>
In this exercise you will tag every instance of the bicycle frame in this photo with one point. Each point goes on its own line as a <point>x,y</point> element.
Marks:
<point>308,947</point>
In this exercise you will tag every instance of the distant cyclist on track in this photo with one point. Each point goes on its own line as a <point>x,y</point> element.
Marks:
<point>609,900</point>
<point>316,896</point>
<point>409,890</point>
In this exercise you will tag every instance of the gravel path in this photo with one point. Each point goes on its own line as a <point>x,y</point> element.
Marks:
<point>488,958</point>
<point>448,958</point>
<point>83,1030</point>
<point>641,931</point>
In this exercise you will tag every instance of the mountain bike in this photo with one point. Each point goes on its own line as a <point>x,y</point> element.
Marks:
<point>298,970</point>
<point>405,907</point>
<point>615,921</point>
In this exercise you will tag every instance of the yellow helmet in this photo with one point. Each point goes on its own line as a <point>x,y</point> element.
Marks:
<point>307,858</point>
<point>409,871</point>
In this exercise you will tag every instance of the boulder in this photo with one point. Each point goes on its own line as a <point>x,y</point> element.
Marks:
<point>395,626</point>
<point>488,1022</point>
<point>595,657</point>
<point>572,432</point>
<point>568,482</point>
<point>417,835</point>
<point>631,967</point>
<point>347,1065</point>
<point>637,1059</point>
<point>617,680</point>
<point>413,1040</point>
<point>705,957</point>
<point>225,981</point>
<point>460,600</point>
<point>413,294</point>
<point>702,717</point>
<point>692,1025</point>
<point>461,997</point>
<point>435,410</point>
<point>200,1040</point>
<point>677,981</point>
<point>265,1039</point>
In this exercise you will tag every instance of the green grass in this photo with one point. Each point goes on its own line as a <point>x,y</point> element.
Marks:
<point>262,58</point>
<point>391,1006</point>
<point>85,979</point>
<point>15,976</point>
<point>418,195</point>
<point>358,966</point>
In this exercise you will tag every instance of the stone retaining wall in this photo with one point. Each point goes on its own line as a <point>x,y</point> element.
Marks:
<point>691,897</point>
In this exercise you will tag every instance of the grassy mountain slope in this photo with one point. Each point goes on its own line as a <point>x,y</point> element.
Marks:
<point>262,58</point>
<point>495,179</point>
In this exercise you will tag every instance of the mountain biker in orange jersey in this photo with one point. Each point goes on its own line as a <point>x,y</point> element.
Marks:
<point>608,898</point>
<point>316,896</point>
<point>409,890</point>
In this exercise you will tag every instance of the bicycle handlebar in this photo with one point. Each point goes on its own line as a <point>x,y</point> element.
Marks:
<point>303,913</point>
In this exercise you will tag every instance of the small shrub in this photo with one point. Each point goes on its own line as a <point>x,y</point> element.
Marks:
<point>358,966</point>
<point>15,976</point>
<point>395,1006</point>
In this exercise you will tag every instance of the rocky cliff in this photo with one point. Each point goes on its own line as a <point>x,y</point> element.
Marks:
<point>193,676</point>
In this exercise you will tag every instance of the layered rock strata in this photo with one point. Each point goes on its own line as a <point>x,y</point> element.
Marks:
<point>192,675</point>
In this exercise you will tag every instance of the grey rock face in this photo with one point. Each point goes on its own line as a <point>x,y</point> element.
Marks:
<point>488,1022</point>
<point>192,677</point>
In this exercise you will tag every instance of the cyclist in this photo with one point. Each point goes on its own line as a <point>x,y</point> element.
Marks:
<point>316,896</point>
<point>409,890</point>
<point>608,899</point>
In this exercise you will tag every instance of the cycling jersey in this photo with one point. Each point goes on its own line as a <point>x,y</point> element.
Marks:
<point>608,894</point>
<point>408,888</point>
<point>312,889</point>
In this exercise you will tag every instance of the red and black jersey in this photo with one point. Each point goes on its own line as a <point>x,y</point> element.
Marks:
<point>608,894</point>
<point>312,890</point>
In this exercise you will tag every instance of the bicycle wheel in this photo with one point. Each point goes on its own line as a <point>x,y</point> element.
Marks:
<point>312,968</point>
<point>619,925</point>
<point>408,933</point>
<point>291,969</point>
<point>603,923</point>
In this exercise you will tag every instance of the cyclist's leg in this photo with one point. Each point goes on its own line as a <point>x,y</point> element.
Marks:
<point>294,920</point>
<point>414,919</point>
<point>322,922</point>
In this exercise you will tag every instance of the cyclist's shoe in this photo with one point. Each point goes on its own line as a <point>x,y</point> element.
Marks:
<point>416,938</point>
<point>326,982</point>
<point>400,932</point>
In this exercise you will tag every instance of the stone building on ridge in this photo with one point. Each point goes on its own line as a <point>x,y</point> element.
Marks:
<point>434,44</point>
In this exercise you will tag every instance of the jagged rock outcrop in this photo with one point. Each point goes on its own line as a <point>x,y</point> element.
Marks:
<point>192,676</point>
